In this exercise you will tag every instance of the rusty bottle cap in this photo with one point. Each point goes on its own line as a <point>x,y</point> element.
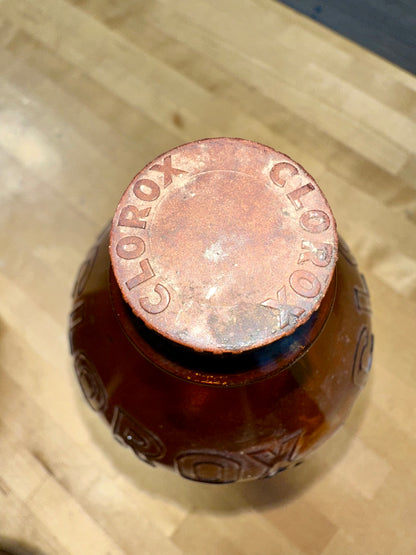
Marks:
<point>223,245</point>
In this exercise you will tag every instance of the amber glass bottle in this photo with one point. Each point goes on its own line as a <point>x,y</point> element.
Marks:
<point>220,326</point>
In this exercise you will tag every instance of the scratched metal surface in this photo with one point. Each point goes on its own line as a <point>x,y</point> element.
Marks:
<point>90,92</point>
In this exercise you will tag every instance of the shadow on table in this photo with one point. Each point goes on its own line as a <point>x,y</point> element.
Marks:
<point>229,498</point>
<point>14,547</point>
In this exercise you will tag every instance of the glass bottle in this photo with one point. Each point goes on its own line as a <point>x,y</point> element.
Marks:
<point>220,325</point>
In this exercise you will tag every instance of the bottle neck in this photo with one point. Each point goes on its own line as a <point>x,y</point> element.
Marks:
<point>229,369</point>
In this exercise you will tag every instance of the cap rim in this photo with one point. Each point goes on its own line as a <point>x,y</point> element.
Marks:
<point>142,257</point>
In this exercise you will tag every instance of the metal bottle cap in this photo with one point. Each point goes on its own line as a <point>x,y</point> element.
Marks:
<point>223,245</point>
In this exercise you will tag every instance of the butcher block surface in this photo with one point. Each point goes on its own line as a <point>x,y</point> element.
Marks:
<point>90,92</point>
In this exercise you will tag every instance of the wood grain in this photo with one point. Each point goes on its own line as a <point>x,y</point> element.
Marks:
<point>90,91</point>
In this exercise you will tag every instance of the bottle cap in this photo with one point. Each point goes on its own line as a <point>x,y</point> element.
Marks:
<point>223,245</point>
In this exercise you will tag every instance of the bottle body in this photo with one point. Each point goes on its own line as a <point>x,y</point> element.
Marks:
<point>226,430</point>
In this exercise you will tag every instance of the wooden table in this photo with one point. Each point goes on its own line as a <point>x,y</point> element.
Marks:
<point>92,90</point>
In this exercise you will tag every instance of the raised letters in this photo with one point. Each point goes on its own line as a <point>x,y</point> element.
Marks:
<point>317,253</point>
<point>210,467</point>
<point>276,453</point>
<point>144,443</point>
<point>296,195</point>
<point>75,319</point>
<point>362,357</point>
<point>77,314</point>
<point>167,170</point>
<point>285,310</point>
<point>282,172</point>
<point>272,454</point>
<point>320,254</point>
<point>315,221</point>
<point>305,284</point>
<point>90,382</point>
<point>146,189</point>
<point>362,296</point>
<point>130,247</point>
<point>84,272</point>
<point>146,273</point>
<point>163,303</point>
<point>130,216</point>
